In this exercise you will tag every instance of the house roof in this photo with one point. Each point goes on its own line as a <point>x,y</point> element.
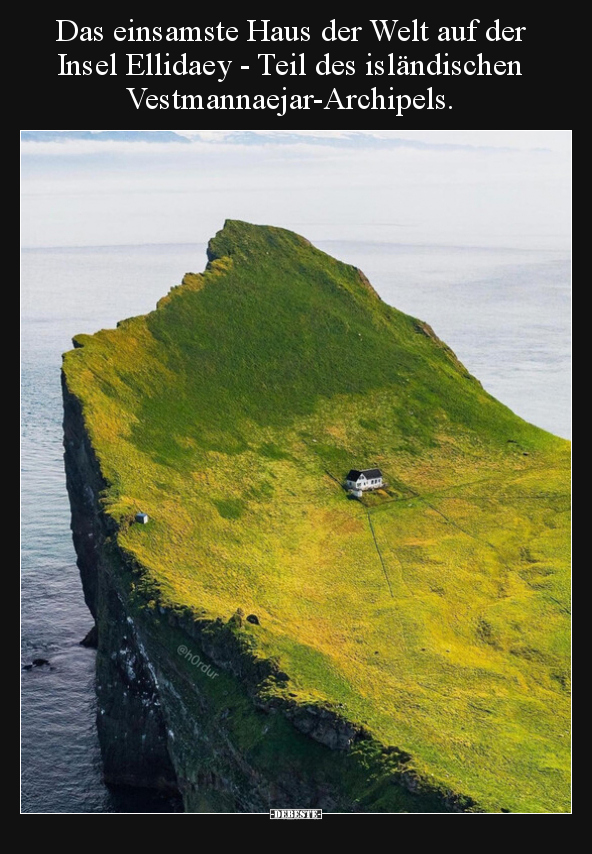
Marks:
<point>368,473</point>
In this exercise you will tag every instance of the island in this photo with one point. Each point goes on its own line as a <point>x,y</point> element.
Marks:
<point>267,638</point>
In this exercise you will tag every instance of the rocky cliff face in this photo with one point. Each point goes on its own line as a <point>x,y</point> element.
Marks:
<point>130,722</point>
<point>182,702</point>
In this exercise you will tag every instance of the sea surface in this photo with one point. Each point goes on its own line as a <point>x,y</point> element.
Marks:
<point>504,312</point>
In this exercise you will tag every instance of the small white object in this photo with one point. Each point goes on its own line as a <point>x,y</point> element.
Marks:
<point>364,479</point>
<point>142,518</point>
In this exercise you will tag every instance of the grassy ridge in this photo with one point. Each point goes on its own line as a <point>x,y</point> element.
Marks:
<point>439,615</point>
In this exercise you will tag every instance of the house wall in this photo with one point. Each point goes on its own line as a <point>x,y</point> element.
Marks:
<point>364,484</point>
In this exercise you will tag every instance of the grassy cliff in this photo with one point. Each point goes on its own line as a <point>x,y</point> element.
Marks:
<point>435,615</point>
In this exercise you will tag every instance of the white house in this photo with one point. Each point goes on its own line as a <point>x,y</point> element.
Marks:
<point>364,479</point>
<point>142,518</point>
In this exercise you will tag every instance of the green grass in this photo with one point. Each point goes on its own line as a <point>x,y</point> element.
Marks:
<point>231,415</point>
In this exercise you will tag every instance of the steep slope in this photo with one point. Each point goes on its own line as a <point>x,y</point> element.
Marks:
<point>432,618</point>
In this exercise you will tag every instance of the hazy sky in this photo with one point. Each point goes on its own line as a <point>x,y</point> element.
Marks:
<point>554,140</point>
<point>515,191</point>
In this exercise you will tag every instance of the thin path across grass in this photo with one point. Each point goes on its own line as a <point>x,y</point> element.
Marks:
<point>379,553</point>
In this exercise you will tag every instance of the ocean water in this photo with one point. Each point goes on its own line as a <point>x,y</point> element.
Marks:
<point>505,312</point>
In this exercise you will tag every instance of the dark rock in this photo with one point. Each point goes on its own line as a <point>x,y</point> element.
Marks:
<point>91,639</point>
<point>459,803</point>
<point>28,667</point>
<point>396,753</point>
<point>410,781</point>
<point>39,662</point>
<point>253,618</point>
<point>324,726</point>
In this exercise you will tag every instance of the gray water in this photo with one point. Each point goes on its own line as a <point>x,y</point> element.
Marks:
<point>504,312</point>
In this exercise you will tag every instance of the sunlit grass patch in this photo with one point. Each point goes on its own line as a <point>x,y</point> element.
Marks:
<point>435,611</point>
